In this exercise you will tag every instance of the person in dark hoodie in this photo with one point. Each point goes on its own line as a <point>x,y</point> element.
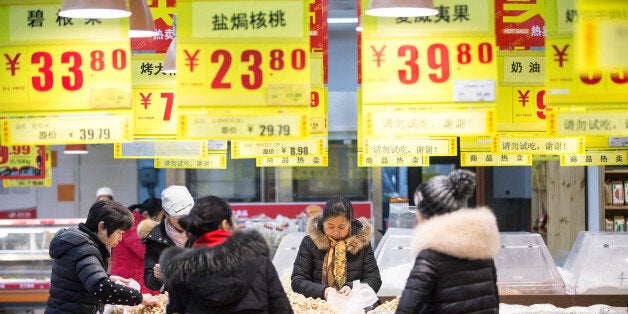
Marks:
<point>225,271</point>
<point>336,251</point>
<point>454,246</point>
<point>79,282</point>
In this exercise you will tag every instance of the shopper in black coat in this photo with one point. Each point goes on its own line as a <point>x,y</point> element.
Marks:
<point>454,247</point>
<point>338,223</point>
<point>79,282</point>
<point>226,271</point>
<point>156,242</point>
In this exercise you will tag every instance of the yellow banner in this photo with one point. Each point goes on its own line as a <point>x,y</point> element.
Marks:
<point>74,130</point>
<point>243,127</point>
<point>476,159</point>
<point>537,145</point>
<point>588,123</point>
<point>301,161</point>
<point>476,143</point>
<point>609,158</point>
<point>45,182</point>
<point>410,147</point>
<point>212,161</point>
<point>284,148</point>
<point>164,149</point>
<point>426,70</point>
<point>405,121</point>
<point>393,161</point>
<point>521,108</point>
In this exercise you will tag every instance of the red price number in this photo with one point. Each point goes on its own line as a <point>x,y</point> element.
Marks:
<point>14,150</point>
<point>592,78</point>
<point>277,60</point>
<point>72,80</point>
<point>169,97</point>
<point>314,99</point>
<point>438,60</point>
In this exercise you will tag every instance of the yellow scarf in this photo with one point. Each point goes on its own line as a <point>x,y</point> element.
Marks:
<point>335,264</point>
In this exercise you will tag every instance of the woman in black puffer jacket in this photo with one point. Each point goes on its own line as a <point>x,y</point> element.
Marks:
<point>335,231</point>
<point>454,247</point>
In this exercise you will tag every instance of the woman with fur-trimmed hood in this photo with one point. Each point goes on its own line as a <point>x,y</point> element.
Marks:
<point>454,271</point>
<point>336,251</point>
<point>225,271</point>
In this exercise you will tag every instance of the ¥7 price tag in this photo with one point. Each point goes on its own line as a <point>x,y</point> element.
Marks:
<point>421,70</point>
<point>258,74</point>
<point>154,111</point>
<point>67,77</point>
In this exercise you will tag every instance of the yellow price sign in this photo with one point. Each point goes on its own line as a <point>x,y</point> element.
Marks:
<point>301,161</point>
<point>442,69</point>
<point>243,127</point>
<point>609,158</point>
<point>44,182</point>
<point>476,159</point>
<point>521,108</point>
<point>285,148</point>
<point>154,111</point>
<point>538,145</point>
<point>393,161</point>
<point>318,110</point>
<point>588,123</point>
<point>405,122</point>
<point>410,147</point>
<point>152,149</point>
<point>75,130</point>
<point>212,161</point>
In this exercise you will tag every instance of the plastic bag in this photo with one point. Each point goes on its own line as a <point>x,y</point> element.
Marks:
<point>360,297</point>
<point>121,309</point>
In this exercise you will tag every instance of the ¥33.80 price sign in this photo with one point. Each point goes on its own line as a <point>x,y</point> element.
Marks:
<point>420,70</point>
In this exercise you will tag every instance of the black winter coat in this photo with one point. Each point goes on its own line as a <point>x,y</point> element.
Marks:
<point>156,241</point>
<point>236,276</point>
<point>308,266</point>
<point>454,270</point>
<point>79,282</point>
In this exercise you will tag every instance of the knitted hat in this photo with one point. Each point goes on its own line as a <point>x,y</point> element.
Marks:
<point>104,191</point>
<point>444,194</point>
<point>177,201</point>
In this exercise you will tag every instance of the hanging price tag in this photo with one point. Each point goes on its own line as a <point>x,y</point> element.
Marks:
<point>420,70</point>
<point>240,127</point>
<point>588,123</point>
<point>538,146</point>
<point>393,161</point>
<point>23,161</point>
<point>477,159</point>
<point>610,158</point>
<point>301,161</point>
<point>212,161</point>
<point>410,147</point>
<point>152,149</point>
<point>293,148</point>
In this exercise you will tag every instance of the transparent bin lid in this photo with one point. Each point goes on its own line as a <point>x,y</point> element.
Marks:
<point>285,256</point>
<point>525,266</point>
<point>394,260</point>
<point>597,264</point>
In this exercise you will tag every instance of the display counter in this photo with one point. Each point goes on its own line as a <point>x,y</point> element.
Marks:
<point>285,256</point>
<point>394,260</point>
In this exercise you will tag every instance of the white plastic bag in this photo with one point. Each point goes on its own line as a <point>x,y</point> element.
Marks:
<point>361,296</point>
<point>113,309</point>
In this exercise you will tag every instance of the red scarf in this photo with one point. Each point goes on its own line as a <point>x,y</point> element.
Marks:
<point>212,239</point>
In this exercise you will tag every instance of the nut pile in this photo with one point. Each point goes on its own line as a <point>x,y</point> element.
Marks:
<point>144,309</point>
<point>302,305</point>
<point>388,306</point>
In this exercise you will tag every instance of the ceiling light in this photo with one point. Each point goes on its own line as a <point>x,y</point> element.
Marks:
<point>170,62</point>
<point>142,23</point>
<point>75,149</point>
<point>401,8</point>
<point>342,20</point>
<point>94,9</point>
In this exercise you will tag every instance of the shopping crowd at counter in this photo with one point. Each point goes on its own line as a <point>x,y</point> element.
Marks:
<point>192,251</point>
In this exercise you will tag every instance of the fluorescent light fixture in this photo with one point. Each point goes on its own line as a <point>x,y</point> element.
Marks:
<point>94,9</point>
<point>342,20</point>
<point>142,23</point>
<point>401,8</point>
<point>75,149</point>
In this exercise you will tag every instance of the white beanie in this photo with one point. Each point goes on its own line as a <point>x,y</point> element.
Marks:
<point>177,201</point>
<point>104,191</point>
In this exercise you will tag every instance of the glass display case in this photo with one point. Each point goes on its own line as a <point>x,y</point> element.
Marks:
<point>394,260</point>
<point>25,264</point>
<point>597,264</point>
<point>525,266</point>
<point>285,256</point>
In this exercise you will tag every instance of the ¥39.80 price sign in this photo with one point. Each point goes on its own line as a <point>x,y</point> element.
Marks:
<point>419,70</point>
<point>65,77</point>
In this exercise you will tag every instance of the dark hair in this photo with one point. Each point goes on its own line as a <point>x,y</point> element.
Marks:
<point>206,216</point>
<point>152,205</point>
<point>338,206</point>
<point>113,214</point>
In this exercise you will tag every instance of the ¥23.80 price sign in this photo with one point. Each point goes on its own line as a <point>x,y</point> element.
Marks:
<point>419,70</point>
<point>65,77</point>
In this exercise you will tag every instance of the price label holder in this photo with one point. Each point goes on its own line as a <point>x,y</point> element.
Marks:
<point>488,159</point>
<point>24,161</point>
<point>212,161</point>
<point>393,161</point>
<point>300,161</point>
<point>67,130</point>
<point>592,158</point>
<point>588,123</point>
<point>152,149</point>
<point>228,127</point>
<point>58,64</point>
<point>538,145</point>
<point>410,147</point>
<point>286,148</point>
<point>251,53</point>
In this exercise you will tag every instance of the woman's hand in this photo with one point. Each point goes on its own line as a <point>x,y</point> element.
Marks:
<point>148,299</point>
<point>345,290</point>
<point>157,271</point>
<point>328,290</point>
